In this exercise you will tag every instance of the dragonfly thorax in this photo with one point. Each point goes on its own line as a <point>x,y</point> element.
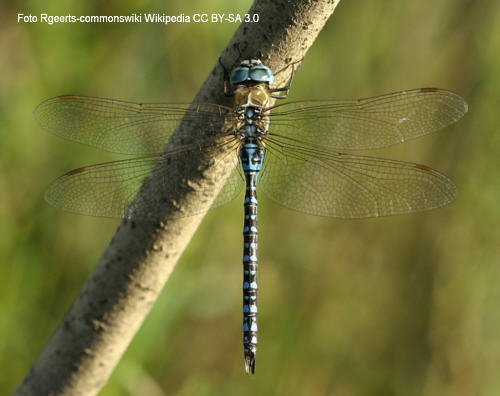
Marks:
<point>253,123</point>
<point>252,95</point>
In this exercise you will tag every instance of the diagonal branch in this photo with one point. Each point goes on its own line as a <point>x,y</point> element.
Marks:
<point>100,324</point>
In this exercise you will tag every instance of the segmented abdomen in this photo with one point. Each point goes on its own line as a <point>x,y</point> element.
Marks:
<point>251,155</point>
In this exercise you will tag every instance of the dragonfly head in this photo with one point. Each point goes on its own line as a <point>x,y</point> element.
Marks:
<point>251,70</point>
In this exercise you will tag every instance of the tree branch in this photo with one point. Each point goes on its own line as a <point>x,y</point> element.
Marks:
<point>99,326</point>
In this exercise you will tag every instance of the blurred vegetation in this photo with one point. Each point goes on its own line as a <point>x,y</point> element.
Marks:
<point>405,305</point>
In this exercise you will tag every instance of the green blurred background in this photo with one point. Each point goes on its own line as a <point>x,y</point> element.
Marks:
<point>406,305</point>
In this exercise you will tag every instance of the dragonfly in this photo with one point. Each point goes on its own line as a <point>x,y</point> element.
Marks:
<point>293,152</point>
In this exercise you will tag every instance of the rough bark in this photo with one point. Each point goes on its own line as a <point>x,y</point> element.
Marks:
<point>97,329</point>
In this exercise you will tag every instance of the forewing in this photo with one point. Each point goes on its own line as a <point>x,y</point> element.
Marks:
<point>368,123</point>
<point>124,127</point>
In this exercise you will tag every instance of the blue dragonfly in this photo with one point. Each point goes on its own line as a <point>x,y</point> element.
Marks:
<point>288,150</point>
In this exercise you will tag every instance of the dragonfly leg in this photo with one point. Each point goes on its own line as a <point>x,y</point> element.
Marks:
<point>227,90</point>
<point>227,85</point>
<point>288,85</point>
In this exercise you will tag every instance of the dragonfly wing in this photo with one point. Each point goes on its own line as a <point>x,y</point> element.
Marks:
<point>326,183</point>
<point>124,127</point>
<point>368,123</point>
<point>235,181</point>
<point>109,189</point>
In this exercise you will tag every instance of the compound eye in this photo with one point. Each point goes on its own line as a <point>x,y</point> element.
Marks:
<point>261,73</point>
<point>239,75</point>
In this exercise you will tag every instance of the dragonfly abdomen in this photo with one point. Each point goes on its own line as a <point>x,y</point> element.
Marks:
<point>251,155</point>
